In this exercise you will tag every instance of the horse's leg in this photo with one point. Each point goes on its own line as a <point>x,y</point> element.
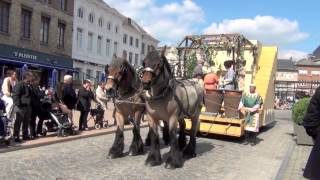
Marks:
<point>154,156</point>
<point>165,133</point>
<point>136,147</point>
<point>190,150</point>
<point>182,133</point>
<point>175,155</point>
<point>118,145</point>
<point>148,139</point>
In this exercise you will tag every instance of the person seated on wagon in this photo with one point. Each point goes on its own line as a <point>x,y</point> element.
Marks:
<point>249,106</point>
<point>229,77</point>
<point>211,80</point>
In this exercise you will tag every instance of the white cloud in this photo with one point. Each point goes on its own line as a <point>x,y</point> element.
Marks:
<point>169,22</point>
<point>267,29</point>
<point>294,54</point>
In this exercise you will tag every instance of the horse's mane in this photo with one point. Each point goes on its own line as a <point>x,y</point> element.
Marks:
<point>167,65</point>
<point>122,63</point>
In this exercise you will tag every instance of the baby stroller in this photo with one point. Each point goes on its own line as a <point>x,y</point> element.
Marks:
<point>6,126</point>
<point>57,121</point>
<point>97,114</point>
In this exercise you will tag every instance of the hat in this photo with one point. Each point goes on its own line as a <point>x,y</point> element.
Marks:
<point>253,85</point>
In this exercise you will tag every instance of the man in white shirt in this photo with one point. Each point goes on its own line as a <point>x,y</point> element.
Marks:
<point>8,83</point>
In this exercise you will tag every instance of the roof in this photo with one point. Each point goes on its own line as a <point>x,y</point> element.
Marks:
<point>315,62</point>
<point>286,65</point>
<point>316,53</point>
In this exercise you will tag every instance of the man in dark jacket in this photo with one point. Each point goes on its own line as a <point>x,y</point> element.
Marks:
<point>21,96</point>
<point>36,96</point>
<point>311,122</point>
<point>85,96</point>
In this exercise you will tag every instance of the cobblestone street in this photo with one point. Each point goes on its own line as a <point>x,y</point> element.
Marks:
<point>218,158</point>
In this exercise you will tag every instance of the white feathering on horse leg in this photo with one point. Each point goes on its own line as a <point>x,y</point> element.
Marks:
<point>161,124</point>
<point>148,94</point>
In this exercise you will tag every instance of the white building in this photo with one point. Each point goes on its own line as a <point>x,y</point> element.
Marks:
<point>99,32</point>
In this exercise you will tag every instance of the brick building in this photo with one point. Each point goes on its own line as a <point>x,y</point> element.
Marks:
<point>308,74</point>
<point>36,33</point>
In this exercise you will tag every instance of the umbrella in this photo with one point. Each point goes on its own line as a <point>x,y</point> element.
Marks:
<point>53,82</point>
<point>24,69</point>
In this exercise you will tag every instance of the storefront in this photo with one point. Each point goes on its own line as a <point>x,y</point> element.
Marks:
<point>41,64</point>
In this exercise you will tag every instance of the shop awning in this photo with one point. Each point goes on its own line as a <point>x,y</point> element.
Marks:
<point>34,64</point>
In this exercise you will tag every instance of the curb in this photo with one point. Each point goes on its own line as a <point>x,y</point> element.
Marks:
<point>283,167</point>
<point>69,138</point>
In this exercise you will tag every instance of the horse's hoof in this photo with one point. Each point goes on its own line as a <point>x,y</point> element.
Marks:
<point>114,156</point>
<point>152,163</point>
<point>188,154</point>
<point>173,164</point>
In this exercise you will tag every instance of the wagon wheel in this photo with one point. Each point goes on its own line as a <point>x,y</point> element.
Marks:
<point>105,124</point>
<point>97,126</point>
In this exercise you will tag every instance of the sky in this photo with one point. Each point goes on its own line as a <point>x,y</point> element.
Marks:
<point>292,25</point>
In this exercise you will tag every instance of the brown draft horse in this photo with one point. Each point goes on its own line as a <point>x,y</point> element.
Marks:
<point>170,100</point>
<point>125,87</point>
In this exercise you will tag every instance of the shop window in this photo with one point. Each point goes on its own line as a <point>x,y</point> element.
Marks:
<point>44,30</point>
<point>61,34</point>
<point>26,23</point>
<point>98,74</point>
<point>88,74</point>
<point>4,16</point>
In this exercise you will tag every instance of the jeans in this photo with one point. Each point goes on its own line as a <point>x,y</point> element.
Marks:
<point>9,104</point>
<point>83,121</point>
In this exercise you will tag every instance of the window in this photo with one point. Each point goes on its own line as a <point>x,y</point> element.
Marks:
<point>136,57</point>
<point>4,16</point>
<point>88,74</point>
<point>61,34</point>
<point>76,74</point>
<point>80,13</point>
<point>90,42</point>
<point>109,26</point>
<point>142,48</point>
<point>315,73</point>
<point>130,57</point>
<point>303,72</point>
<point>62,5</point>
<point>108,44</point>
<point>98,74</point>
<point>26,24</point>
<point>100,22</point>
<point>125,37</point>
<point>116,29</point>
<point>91,18</point>
<point>99,44</point>
<point>44,30</point>
<point>137,43</point>
<point>79,38</point>
<point>115,48</point>
<point>124,54</point>
<point>131,41</point>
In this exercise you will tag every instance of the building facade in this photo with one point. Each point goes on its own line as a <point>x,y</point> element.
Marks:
<point>286,79</point>
<point>36,33</point>
<point>101,32</point>
<point>309,74</point>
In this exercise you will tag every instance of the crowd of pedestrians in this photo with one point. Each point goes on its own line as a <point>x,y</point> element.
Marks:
<point>23,103</point>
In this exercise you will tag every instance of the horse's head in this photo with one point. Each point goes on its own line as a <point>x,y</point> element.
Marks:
<point>119,70</point>
<point>154,66</point>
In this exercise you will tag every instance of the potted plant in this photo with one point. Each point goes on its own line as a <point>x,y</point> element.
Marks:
<point>298,112</point>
